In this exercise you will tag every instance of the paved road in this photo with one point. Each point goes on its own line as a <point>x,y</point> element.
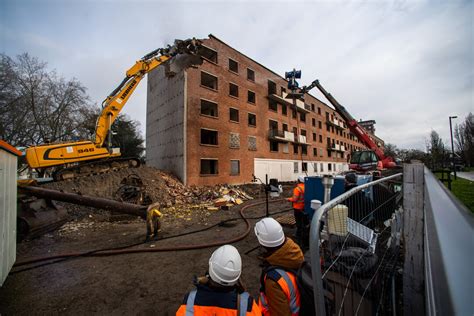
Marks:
<point>466,175</point>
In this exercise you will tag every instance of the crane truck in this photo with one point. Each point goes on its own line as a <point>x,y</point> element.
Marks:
<point>72,159</point>
<point>363,160</point>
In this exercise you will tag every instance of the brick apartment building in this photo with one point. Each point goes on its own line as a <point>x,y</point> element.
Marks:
<point>228,119</point>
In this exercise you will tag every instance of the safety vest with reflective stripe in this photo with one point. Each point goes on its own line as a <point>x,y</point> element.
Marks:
<point>298,197</point>
<point>199,302</point>
<point>287,282</point>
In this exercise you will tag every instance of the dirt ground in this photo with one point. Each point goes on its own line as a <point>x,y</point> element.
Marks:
<point>139,283</point>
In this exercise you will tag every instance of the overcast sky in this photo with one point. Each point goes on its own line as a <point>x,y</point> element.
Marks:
<point>408,65</point>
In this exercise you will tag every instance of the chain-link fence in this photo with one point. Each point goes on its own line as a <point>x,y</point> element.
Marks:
<point>356,239</point>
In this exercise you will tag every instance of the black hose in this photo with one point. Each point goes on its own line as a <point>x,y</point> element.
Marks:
<point>122,249</point>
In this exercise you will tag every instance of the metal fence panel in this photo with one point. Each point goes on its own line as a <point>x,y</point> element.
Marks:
<point>355,238</point>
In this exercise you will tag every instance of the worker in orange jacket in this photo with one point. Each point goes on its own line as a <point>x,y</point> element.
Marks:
<point>301,218</point>
<point>279,292</point>
<point>220,292</point>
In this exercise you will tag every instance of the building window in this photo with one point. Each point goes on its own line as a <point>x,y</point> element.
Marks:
<point>283,109</point>
<point>252,143</point>
<point>303,132</point>
<point>209,108</point>
<point>304,167</point>
<point>312,107</point>
<point>209,54</point>
<point>208,137</point>
<point>320,125</point>
<point>319,110</point>
<point>233,90</point>
<point>320,138</point>
<point>304,150</point>
<point>285,127</point>
<point>282,90</point>
<point>234,167</point>
<point>329,167</point>
<point>251,97</point>
<point>321,152</point>
<point>295,167</point>
<point>302,117</point>
<point>315,167</point>
<point>234,140</point>
<point>285,148</point>
<point>293,113</point>
<point>273,146</point>
<point>314,137</point>
<point>209,166</point>
<point>234,115</point>
<point>322,167</point>
<point>272,105</point>
<point>329,153</point>
<point>233,66</point>
<point>272,87</point>
<point>252,119</point>
<point>250,74</point>
<point>315,151</point>
<point>295,148</point>
<point>313,122</point>
<point>208,80</point>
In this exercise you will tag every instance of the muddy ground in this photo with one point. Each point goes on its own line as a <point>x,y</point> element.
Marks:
<point>139,283</point>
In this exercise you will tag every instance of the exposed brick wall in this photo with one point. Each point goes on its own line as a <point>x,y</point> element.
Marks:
<point>236,141</point>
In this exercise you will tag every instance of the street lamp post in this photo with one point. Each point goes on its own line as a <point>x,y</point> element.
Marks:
<point>452,145</point>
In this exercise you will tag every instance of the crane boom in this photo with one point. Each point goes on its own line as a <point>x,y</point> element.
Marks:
<point>354,127</point>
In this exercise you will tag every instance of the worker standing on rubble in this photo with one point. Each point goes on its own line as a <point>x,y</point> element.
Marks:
<point>301,218</point>
<point>220,292</point>
<point>153,221</point>
<point>279,294</point>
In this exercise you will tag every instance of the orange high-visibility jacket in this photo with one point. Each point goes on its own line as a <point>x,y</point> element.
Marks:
<point>287,282</point>
<point>206,301</point>
<point>298,197</point>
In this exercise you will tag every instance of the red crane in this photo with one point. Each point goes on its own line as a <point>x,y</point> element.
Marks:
<point>360,160</point>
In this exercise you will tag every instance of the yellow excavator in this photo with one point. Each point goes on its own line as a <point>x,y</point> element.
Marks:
<point>73,159</point>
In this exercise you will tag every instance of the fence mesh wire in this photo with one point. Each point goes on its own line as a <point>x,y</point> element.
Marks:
<point>359,250</point>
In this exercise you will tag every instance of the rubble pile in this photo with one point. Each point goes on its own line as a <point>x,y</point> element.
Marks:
<point>146,185</point>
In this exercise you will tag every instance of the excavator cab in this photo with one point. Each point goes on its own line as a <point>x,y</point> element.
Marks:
<point>364,160</point>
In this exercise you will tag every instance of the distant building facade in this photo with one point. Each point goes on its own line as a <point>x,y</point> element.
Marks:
<point>229,119</point>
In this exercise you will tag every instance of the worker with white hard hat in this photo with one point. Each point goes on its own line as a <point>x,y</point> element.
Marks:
<point>279,294</point>
<point>301,218</point>
<point>220,292</point>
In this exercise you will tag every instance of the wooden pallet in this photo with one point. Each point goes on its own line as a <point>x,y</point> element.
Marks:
<point>287,220</point>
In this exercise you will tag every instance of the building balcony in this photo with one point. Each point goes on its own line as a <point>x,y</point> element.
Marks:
<point>301,140</point>
<point>339,124</point>
<point>300,105</point>
<point>281,136</point>
<point>336,147</point>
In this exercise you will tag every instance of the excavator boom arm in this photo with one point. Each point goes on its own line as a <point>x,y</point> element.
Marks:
<point>114,103</point>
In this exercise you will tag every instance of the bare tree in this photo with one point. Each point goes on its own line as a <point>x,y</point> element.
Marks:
<point>464,139</point>
<point>37,105</point>
<point>390,150</point>
<point>436,149</point>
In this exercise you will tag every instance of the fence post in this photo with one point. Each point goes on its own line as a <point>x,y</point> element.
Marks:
<point>413,222</point>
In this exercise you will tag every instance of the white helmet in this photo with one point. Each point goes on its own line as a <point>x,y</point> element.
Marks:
<point>269,232</point>
<point>301,179</point>
<point>225,265</point>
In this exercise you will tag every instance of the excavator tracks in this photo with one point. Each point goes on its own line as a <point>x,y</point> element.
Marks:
<point>94,168</point>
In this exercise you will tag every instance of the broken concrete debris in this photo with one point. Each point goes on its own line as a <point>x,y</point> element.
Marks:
<point>146,185</point>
